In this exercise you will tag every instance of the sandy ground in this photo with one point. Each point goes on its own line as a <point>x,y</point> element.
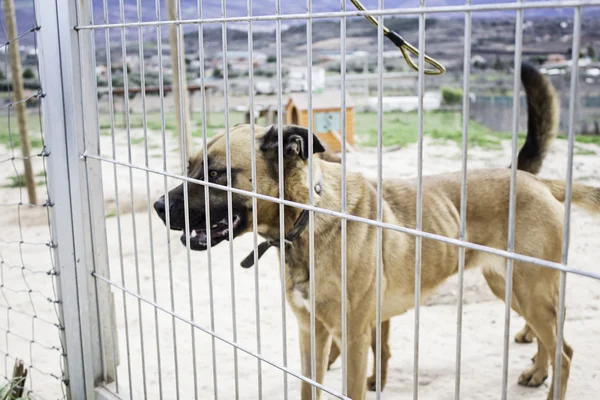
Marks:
<point>186,282</point>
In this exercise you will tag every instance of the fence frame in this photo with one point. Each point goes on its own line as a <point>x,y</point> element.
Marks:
<point>76,190</point>
<point>71,123</point>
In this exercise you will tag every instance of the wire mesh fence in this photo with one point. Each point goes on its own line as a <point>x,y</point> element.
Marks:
<point>150,317</point>
<point>31,323</point>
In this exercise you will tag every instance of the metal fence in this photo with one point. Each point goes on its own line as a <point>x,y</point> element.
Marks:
<point>31,323</point>
<point>147,318</point>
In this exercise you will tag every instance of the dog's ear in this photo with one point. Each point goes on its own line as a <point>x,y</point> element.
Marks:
<point>295,142</point>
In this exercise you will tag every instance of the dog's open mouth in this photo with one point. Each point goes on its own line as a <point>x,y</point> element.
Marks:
<point>219,231</point>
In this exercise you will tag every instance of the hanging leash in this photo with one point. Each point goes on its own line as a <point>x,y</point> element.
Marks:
<point>404,46</point>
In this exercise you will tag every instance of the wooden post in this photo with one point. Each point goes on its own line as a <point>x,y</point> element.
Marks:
<point>177,56</point>
<point>18,97</point>
<point>191,105</point>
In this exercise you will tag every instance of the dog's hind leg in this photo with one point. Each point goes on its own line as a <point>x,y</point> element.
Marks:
<point>535,375</point>
<point>525,335</point>
<point>543,319</point>
<point>385,355</point>
<point>334,353</point>
<point>538,372</point>
<point>540,313</point>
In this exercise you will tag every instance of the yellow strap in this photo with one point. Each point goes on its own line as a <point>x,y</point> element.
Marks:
<point>406,48</point>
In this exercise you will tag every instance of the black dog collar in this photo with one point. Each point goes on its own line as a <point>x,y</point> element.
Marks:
<point>299,227</point>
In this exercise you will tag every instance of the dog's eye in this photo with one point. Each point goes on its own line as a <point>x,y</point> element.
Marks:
<point>213,174</point>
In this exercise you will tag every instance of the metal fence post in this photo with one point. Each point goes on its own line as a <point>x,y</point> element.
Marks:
<point>76,191</point>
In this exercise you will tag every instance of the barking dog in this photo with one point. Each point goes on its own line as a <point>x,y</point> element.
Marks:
<point>538,232</point>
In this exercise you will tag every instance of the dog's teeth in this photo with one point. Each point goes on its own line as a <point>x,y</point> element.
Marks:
<point>194,233</point>
<point>214,226</point>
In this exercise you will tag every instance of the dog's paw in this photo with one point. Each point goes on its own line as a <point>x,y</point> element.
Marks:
<point>372,382</point>
<point>525,335</point>
<point>533,377</point>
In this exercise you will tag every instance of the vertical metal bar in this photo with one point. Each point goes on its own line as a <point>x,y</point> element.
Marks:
<point>55,124</point>
<point>92,213</point>
<point>95,193</point>
<point>311,214</point>
<point>184,158</point>
<point>117,204</point>
<point>205,105</point>
<point>344,349</point>
<point>132,202</point>
<point>556,371</point>
<point>229,199</point>
<point>463,195</point>
<point>513,194</point>
<point>166,192</point>
<point>66,120</point>
<point>419,209</point>
<point>379,256</point>
<point>114,155</point>
<point>148,202</point>
<point>281,194</point>
<point>254,201</point>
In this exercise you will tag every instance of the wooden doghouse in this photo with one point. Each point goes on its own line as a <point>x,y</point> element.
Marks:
<point>327,117</point>
<point>268,113</point>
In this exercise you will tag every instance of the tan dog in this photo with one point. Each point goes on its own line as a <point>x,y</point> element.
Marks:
<point>543,121</point>
<point>538,232</point>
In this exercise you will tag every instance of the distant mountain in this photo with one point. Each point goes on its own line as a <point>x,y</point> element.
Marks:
<point>236,8</point>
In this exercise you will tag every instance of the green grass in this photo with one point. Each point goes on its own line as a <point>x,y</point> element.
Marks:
<point>33,124</point>
<point>398,129</point>
<point>136,121</point>
<point>583,139</point>
<point>580,151</point>
<point>138,140</point>
<point>18,181</point>
<point>7,389</point>
<point>402,129</point>
<point>215,124</point>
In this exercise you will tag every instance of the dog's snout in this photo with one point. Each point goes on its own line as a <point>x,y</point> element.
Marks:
<point>159,206</point>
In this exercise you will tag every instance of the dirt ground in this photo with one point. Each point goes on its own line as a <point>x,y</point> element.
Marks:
<point>179,283</point>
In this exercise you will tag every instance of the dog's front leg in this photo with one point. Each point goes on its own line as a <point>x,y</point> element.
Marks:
<point>322,343</point>
<point>385,355</point>
<point>358,353</point>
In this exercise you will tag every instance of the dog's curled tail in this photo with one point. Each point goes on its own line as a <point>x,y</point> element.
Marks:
<point>543,115</point>
<point>587,197</point>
